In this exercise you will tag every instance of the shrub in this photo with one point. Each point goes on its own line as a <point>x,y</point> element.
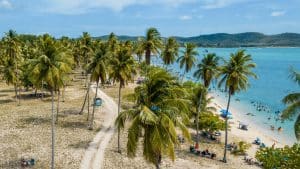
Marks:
<point>280,158</point>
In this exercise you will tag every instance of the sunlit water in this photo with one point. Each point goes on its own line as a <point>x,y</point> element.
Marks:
<point>272,85</point>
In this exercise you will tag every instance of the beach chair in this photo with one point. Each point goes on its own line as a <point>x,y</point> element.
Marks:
<point>243,126</point>
<point>257,141</point>
<point>192,149</point>
<point>262,145</point>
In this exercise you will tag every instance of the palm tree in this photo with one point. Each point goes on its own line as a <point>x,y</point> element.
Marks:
<point>187,60</point>
<point>12,51</point>
<point>98,73</point>
<point>160,108</point>
<point>112,42</point>
<point>151,44</point>
<point>85,47</point>
<point>50,67</point>
<point>122,69</point>
<point>293,101</point>
<point>138,48</point>
<point>235,75</point>
<point>206,71</point>
<point>170,52</point>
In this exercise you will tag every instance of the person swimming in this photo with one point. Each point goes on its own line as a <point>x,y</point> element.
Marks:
<point>280,128</point>
<point>272,127</point>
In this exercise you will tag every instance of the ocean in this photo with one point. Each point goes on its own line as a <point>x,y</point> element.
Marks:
<point>261,102</point>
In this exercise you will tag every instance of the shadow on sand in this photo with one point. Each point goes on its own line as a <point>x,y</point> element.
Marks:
<point>80,145</point>
<point>35,120</point>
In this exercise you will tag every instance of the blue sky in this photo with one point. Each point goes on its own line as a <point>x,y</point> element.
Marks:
<point>133,17</point>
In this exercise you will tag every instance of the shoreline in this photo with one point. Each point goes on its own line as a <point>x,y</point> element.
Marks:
<point>253,131</point>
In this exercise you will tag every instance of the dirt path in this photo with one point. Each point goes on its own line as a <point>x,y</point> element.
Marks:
<point>95,152</point>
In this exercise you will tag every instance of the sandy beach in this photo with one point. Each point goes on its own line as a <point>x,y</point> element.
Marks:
<point>253,131</point>
<point>184,159</point>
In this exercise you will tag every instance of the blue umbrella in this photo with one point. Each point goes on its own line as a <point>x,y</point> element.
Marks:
<point>223,111</point>
<point>226,114</point>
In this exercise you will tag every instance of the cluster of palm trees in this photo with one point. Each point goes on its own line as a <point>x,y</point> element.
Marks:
<point>162,101</point>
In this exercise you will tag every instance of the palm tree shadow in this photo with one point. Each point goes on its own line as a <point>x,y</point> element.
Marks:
<point>11,164</point>
<point>36,120</point>
<point>80,145</point>
<point>6,101</point>
<point>70,112</point>
<point>74,124</point>
<point>7,90</point>
<point>3,95</point>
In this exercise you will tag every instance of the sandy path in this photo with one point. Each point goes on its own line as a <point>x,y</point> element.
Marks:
<point>95,152</point>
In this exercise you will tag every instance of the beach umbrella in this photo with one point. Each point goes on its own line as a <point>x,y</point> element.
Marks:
<point>226,114</point>
<point>223,111</point>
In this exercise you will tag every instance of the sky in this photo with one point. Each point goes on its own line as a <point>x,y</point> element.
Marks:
<point>133,17</point>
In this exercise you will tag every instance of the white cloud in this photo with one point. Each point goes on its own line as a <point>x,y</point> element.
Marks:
<point>214,4</point>
<point>185,17</point>
<point>82,6</point>
<point>278,13</point>
<point>5,4</point>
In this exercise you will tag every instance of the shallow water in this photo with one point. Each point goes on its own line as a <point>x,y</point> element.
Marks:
<point>272,85</point>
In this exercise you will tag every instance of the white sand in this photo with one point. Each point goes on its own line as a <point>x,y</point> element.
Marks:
<point>253,131</point>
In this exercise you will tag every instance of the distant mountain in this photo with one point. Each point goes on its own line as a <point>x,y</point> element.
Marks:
<point>248,39</point>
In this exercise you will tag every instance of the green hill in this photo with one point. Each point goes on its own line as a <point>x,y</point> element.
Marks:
<point>248,39</point>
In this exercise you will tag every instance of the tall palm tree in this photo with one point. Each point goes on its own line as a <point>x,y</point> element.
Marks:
<point>122,69</point>
<point>160,108</point>
<point>170,52</point>
<point>112,42</point>
<point>50,67</point>
<point>138,48</point>
<point>151,44</point>
<point>206,71</point>
<point>98,71</point>
<point>85,47</point>
<point>234,76</point>
<point>293,102</point>
<point>12,51</point>
<point>188,59</point>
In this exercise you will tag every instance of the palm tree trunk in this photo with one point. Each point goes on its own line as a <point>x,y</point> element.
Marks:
<point>148,56</point>
<point>42,91</point>
<point>88,102</point>
<point>85,98</point>
<point>86,72</point>
<point>93,112</point>
<point>182,77</point>
<point>16,92</point>
<point>197,122</point>
<point>35,92</point>
<point>119,107</point>
<point>57,107</point>
<point>158,161</point>
<point>226,127</point>
<point>63,93</point>
<point>19,96</point>
<point>52,131</point>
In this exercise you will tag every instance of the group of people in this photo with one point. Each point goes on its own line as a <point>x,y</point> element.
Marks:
<point>279,128</point>
<point>204,153</point>
<point>261,107</point>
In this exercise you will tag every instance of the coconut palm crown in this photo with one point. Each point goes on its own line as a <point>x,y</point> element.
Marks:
<point>159,109</point>
<point>293,102</point>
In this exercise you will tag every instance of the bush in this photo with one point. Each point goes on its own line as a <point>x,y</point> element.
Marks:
<point>210,122</point>
<point>280,158</point>
<point>241,149</point>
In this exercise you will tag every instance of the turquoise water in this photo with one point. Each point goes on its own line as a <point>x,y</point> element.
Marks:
<point>267,91</point>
